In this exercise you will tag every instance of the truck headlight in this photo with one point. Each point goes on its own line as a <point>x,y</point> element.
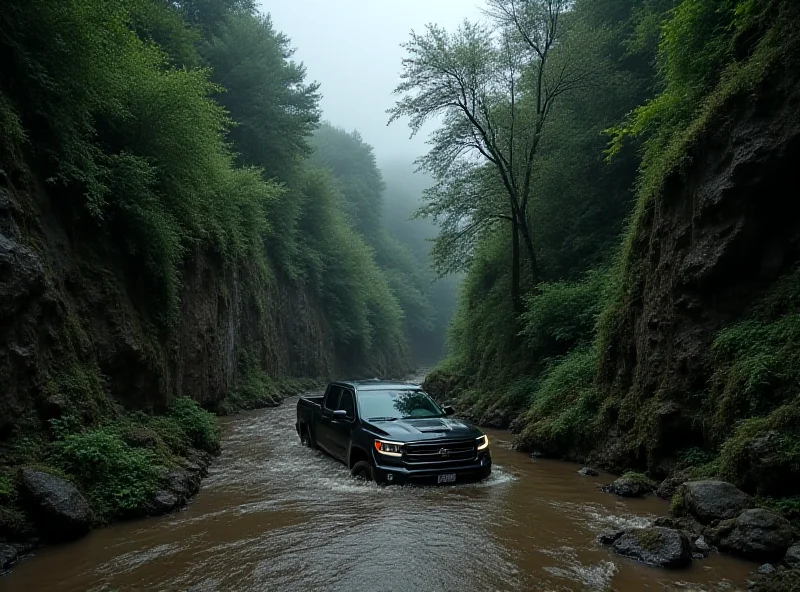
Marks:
<point>483,442</point>
<point>389,448</point>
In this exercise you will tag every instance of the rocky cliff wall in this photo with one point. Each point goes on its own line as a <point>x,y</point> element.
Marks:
<point>75,325</point>
<point>723,229</point>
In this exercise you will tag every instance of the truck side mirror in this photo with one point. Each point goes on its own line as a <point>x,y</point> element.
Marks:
<point>340,414</point>
<point>448,410</point>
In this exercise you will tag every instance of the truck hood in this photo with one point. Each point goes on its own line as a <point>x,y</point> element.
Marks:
<point>413,430</point>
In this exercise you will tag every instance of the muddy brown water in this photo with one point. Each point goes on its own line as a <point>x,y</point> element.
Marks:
<point>274,516</point>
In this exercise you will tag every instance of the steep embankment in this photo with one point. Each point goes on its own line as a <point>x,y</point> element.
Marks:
<point>718,238</point>
<point>72,315</point>
<point>681,354</point>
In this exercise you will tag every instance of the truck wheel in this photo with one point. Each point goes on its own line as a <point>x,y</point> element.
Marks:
<point>305,438</point>
<point>363,470</point>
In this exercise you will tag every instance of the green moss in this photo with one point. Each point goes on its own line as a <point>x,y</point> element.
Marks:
<point>640,478</point>
<point>648,538</point>
<point>679,505</point>
<point>563,406</point>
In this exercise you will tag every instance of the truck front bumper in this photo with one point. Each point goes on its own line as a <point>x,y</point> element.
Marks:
<point>475,470</point>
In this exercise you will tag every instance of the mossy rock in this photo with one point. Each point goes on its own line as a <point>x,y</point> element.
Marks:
<point>631,484</point>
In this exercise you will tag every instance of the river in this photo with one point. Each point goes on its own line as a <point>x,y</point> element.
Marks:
<point>275,516</point>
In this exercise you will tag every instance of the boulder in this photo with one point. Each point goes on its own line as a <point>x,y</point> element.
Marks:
<point>767,569</point>
<point>182,483</point>
<point>792,557</point>
<point>60,510</point>
<point>667,488</point>
<point>712,500</point>
<point>702,546</point>
<point>756,534</point>
<point>8,556</point>
<point>608,538</point>
<point>691,527</point>
<point>588,472</point>
<point>163,502</point>
<point>630,485</point>
<point>655,546</point>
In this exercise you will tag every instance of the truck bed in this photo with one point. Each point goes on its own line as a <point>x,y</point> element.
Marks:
<point>313,399</point>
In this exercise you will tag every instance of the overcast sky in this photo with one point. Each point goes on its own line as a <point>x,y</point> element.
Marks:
<point>352,47</point>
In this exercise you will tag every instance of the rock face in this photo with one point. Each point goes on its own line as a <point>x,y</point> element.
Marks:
<point>608,538</point>
<point>756,533</point>
<point>667,488</point>
<point>630,485</point>
<point>703,251</point>
<point>45,277</point>
<point>8,555</point>
<point>59,509</point>
<point>792,557</point>
<point>656,546</point>
<point>713,500</point>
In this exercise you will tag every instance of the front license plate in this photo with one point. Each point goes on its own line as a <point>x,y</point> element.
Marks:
<point>447,478</point>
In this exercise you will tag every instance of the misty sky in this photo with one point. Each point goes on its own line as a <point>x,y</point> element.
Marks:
<point>352,47</point>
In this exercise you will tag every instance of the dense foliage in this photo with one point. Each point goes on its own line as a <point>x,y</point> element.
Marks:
<point>163,133</point>
<point>669,70</point>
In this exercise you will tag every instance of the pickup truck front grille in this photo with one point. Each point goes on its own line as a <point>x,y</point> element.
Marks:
<point>440,452</point>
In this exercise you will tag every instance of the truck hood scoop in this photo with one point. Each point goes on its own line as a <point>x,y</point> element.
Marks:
<point>431,425</point>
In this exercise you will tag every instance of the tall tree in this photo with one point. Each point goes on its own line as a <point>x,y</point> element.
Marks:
<point>493,92</point>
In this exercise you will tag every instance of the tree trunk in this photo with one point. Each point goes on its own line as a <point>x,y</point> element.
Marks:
<point>516,296</point>
<point>526,234</point>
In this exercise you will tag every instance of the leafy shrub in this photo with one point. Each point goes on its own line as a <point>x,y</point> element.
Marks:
<point>171,434</point>
<point>199,425</point>
<point>118,479</point>
<point>564,405</point>
<point>562,314</point>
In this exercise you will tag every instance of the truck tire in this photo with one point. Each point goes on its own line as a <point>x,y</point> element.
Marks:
<point>305,437</point>
<point>363,469</point>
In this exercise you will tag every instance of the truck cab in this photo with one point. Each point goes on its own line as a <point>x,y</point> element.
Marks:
<point>392,432</point>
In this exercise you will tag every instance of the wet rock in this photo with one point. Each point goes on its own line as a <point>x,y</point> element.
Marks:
<point>767,569</point>
<point>608,538</point>
<point>756,534</point>
<point>588,472</point>
<point>182,483</point>
<point>702,546</point>
<point>667,488</point>
<point>792,557</point>
<point>712,500</point>
<point>630,485</point>
<point>163,502</point>
<point>8,556</point>
<point>496,418</point>
<point>655,546</point>
<point>198,459</point>
<point>537,454</point>
<point>688,525</point>
<point>60,510</point>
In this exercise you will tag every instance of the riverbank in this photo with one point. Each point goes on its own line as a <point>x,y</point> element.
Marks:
<point>275,515</point>
<point>56,487</point>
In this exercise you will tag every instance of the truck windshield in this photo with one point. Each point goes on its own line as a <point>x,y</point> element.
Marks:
<point>390,405</point>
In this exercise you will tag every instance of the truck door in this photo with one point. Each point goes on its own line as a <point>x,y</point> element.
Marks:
<point>342,429</point>
<point>325,427</point>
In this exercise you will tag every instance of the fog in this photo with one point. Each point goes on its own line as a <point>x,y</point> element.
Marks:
<point>352,47</point>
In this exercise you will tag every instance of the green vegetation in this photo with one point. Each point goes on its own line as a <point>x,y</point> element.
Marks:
<point>171,173</point>
<point>610,155</point>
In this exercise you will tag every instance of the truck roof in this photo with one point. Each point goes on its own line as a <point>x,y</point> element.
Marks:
<point>378,385</point>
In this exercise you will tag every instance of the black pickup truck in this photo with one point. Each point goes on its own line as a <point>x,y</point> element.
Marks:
<point>392,432</point>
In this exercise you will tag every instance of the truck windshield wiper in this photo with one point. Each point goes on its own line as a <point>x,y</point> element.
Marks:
<point>381,419</point>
